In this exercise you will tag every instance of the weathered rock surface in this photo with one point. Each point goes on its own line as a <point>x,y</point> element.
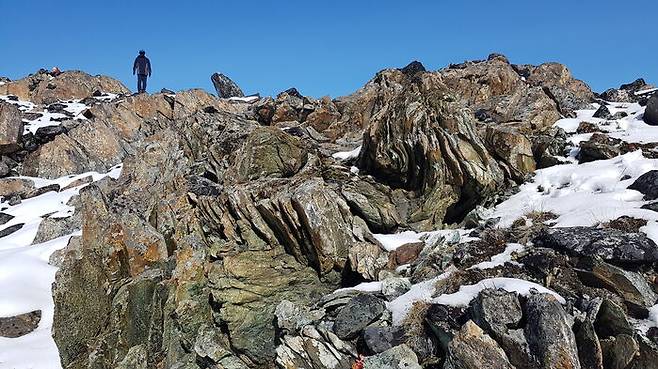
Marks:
<point>42,88</point>
<point>357,314</point>
<point>471,348</point>
<point>19,325</point>
<point>550,338</point>
<point>651,112</point>
<point>434,150</point>
<point>635,290</point>
<point>225,87</point>
<point>11,128</point>
<point>399,357</point>
<point>647,184</point>
<point>609,244</point>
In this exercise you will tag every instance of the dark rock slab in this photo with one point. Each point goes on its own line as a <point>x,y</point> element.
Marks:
<point>633,288</point>
<point>589,347</point>
<point>357,314</point>
<point>444,322</point>
<point>619,351</point>
<point>609,244</point>
<point>647,184</point>
<point>380,339</point>
<point>11,229</point>
<point>225,87</point>
<point>548,330</point>
<point>603,112</point>
<point>651,111</point>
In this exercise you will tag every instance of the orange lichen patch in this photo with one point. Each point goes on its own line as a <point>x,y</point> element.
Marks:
<point>358,363</point>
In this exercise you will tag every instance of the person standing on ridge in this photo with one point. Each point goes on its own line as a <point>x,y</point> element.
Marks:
<point>142,66</point>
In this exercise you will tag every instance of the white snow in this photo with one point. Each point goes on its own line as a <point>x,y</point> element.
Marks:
<point>26,277</point>
<point>631,128</point>
<point>502,258</point>
<point>391,242</point>
<point>364,287</point>
<point>583,194</point>
<point>466,294</point>
<point>246,99</point>
<point>347,155</point>
<point>424,291</point>
<point>22,105</point>
<point>106,96</point>
<point>74,107</point>
<point>419,292</point>
<point>646,91</point>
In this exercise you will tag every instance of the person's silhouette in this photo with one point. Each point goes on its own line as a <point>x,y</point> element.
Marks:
<point>142,66</point>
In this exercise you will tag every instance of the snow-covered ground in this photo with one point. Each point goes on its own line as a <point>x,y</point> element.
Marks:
<point>26,276</point>
<point>74,108</point>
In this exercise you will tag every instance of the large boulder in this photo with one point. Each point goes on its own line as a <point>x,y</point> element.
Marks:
<point>11,128</point>
<point>357,314</point>
<point>569,93</point>
<point>419,139</point>
<point>496,91</point>
<point>628,92</point>
<point>225,87</point>
<point>471,348</point>
<point>513,149</point>
<point>607,243</point>
<point>551,340</point>
<point>651,111</point>
<point>647,184</point>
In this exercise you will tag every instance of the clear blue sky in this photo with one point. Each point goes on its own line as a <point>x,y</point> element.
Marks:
<point>323,47</point>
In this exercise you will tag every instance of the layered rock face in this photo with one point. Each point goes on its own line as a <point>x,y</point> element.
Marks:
<point>231,224</point>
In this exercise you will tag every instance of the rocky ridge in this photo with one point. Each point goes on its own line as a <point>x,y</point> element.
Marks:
<point>301,232</point>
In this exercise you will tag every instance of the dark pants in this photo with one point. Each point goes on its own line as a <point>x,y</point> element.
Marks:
<point>141,83</point>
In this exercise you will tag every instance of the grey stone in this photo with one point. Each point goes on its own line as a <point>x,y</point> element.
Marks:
<point>380,339</point>
<point>633,288</point>
<point>393,287</point>
<point>647,184</point>
<point>11,128</point>
<point>357,314</point>
<point>548,329</point>
<point>609,244</point>
<point>225,87</point>
<point>619,351</point>
<point>136,358</point>
<point>496,310</point>
<point>292,317</point>
<point>471,348</point>
<point>398,357</point>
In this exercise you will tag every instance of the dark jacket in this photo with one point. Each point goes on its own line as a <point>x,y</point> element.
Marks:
<point>142,65</point>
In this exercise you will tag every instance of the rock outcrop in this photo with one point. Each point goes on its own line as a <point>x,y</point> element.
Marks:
<point>235,232</point>
<point>42,88</point>
<point>225,87</point>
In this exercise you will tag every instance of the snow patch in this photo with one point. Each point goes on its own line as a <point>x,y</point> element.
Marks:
<point>502,258</point>
<point>347,155</point>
